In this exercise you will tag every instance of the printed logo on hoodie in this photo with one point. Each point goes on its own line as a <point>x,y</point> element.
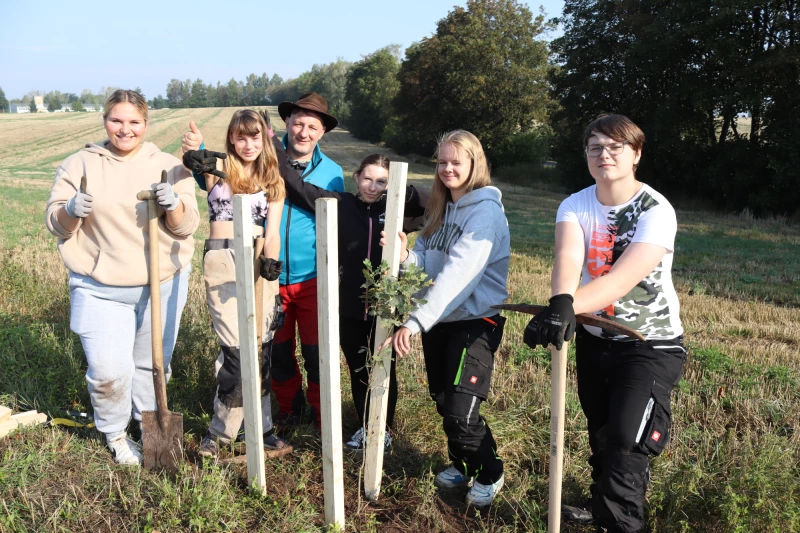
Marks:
<point>444,238</point>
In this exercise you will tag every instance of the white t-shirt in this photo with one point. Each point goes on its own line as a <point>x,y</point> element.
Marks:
<point>651,307</point>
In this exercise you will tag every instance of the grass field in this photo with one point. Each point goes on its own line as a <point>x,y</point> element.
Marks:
<point>732,465</point>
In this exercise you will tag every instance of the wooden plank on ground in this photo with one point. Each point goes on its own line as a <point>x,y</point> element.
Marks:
<point>330,388</point>
<point>248,350</point>
<point>21,419</point>
<point>5,413</point>
<point>379,376</point>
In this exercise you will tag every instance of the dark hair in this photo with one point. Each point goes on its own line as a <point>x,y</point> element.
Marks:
<point>618,127</point>
<point>372,159</point>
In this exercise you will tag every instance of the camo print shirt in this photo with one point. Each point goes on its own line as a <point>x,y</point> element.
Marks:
<point>651,307</point>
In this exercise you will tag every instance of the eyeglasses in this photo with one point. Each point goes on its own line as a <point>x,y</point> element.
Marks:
<point>596,150</point>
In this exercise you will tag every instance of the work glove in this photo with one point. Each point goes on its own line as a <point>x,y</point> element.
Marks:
<point>204,162</point>
<point>80,205</point>
<point>271,269</point>
<point>166,197</point>
<point>554,325</point>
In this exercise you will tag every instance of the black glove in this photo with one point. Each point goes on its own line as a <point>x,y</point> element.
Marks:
<point>204,162</point>
<point>271,269</point>
<point>265,115</point>
<point>554,325</point>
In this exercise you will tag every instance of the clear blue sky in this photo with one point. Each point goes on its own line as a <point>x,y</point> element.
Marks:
<point>50,45</point>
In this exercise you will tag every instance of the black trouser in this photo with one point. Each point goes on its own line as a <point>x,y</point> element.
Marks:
<point>459,359</point>
<point>354,336</point>
<point>624,389</point>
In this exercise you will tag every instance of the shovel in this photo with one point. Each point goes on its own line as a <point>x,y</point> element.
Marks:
<point>162,430</point>
<point>558,385</point>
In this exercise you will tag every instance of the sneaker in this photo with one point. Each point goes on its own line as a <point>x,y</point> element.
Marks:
<point>481,495</point>
<point>274,442</point>
<point>451,478</point>
<point>209,447</point>
<point>125,451</point>
<point>577,514</point>
<point>358,439</point>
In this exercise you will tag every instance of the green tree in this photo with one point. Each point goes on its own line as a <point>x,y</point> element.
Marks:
<point>77,105</point>
<point>686,72</point>
<point>53,102</point>
<point>34,109</point>
<point>484,70</point>
<point>3,101</point>
<point>175,93</point>
<point>199,94</point>
<point>234,93</point>
<point>371,86</point>
<point>330,81</point>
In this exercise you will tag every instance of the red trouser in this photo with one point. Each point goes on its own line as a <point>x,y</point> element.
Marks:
<point>300,307</point>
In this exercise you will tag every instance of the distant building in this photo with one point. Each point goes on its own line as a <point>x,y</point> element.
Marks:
<point>20,108</point>
<point>40,107</point>
<point>90,107</point>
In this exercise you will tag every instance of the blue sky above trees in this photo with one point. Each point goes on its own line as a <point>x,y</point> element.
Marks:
<point>45,46</point>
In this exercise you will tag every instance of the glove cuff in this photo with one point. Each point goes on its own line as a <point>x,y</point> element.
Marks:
<point>560,297</point>
<point>69,207</point>
<point>175,203</point>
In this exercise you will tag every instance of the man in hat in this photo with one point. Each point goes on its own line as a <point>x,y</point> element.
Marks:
<point>307,120</point>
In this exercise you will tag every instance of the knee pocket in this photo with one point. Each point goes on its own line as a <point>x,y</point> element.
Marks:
<point>311,361</point>
<point>653,435</point>
<point>282,361</point>
<point>474,375</point>
<point>229,378</point>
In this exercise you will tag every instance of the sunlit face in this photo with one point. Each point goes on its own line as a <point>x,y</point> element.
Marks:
<point>453,169</point>
<point>303,130</point>
<point>372,182</point>
<point>248,147</point>
<point>125,127</point>
<point>607,167</point>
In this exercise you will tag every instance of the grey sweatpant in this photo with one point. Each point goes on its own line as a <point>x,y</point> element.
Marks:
<point>114,326</point>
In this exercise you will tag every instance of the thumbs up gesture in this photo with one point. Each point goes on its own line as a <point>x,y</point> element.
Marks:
<point>192,139</point>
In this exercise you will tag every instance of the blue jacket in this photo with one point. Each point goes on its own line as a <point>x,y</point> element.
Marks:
<point>298,226</point>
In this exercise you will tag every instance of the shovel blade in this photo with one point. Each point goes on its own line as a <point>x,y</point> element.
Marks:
<point>162,441</point>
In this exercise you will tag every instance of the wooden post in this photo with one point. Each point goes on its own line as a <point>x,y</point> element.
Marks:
<point>558,383</point>
<point>248,350</point>
<point>329,384</point>
<point>379,377</point>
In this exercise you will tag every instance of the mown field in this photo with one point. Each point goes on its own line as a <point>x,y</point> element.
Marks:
<point>732,465</point>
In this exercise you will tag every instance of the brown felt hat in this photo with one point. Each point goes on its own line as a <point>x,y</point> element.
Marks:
<point>309,102</point>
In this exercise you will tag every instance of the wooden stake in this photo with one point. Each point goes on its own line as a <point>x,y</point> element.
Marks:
<point>558,383</point>
<point>330,388</point>
<point>248,350</point>
<point>379,378</point>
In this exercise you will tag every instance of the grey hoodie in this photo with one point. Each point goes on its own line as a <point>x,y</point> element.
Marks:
<point>468,260</point>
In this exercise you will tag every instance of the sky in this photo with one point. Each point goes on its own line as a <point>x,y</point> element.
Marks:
<point>50,45</point>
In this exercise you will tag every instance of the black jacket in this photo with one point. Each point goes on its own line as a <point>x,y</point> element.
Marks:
<point>360,226</point>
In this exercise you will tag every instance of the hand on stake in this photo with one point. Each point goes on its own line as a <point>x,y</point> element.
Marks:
<point>80,205</point>
<point>554,325</point>
<point>271,269</point>
<point>204,162</point>
<point>403,244</point>
<point>401,341</point>
<point>192,139</point>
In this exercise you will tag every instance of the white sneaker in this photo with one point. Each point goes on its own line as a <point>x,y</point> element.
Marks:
<point>356,442</point>
<point>451,479</point>
<point>481,495</point>
<point>125,451</point>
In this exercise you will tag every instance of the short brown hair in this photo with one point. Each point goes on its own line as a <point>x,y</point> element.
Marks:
<point>379,160</point>
<point>121,96</point>
<point>618,127</point>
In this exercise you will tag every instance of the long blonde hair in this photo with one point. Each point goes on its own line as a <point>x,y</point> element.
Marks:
<point>265,176</point>
<point>479,176</point>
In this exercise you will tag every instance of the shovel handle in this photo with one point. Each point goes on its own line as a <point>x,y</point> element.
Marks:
<point>558,384</point>
<point>159,383</point>
<point>83,185</point>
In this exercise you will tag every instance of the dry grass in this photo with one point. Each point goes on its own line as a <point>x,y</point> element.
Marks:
<point>732,465</point>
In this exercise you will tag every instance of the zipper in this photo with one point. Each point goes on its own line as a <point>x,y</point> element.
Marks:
<point>286,246</point>
<point>369,254</point>
<point>460,367</point>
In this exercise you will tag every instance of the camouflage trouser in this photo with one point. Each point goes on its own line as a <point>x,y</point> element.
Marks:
<point>624,389</point>
<point>219,273</point>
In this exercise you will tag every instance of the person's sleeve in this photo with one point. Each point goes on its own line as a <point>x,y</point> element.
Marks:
<point>414,210</point>
<point>459,278</point>
<point>64,188</point>
<point>200,179</point>
<point>568,210</point>
<point>302,193</point>
<point>183,186</point>
<point>337,183</point>
<point>658,225</point>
